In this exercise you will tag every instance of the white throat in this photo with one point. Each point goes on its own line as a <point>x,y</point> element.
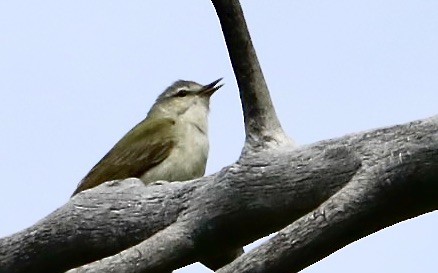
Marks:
<point>196,116</point>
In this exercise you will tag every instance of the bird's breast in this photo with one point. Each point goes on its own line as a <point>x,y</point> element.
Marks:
<point>188,157</point>
<point>192,149</point>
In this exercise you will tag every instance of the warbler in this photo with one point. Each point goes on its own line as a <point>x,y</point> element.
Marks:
<point>170,144</point>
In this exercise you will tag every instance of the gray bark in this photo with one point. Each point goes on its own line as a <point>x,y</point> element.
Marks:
<point>327,195</point>
<point>262,127</point>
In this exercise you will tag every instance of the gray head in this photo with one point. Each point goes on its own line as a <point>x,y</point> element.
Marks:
<point>183,88</point>
<point>182,95</point>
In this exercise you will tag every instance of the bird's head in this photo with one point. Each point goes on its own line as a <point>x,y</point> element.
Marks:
<point>184,97</point>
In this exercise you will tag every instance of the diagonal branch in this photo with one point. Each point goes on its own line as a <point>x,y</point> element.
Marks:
<point>171,248</point>
<point>345,188</point>
<point>385,192</point>
<point>262,127</point>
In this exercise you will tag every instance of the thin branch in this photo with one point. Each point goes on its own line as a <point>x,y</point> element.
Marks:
<point>262,127</point>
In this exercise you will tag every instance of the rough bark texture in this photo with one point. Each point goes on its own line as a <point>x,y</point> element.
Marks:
<point>322,196</point>
<point>397,180</point>
<point>343,189</point>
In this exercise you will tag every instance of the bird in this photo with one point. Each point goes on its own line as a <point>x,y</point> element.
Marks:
<point>170,144</point>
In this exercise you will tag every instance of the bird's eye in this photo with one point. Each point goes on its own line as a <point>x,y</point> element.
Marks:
<point>182,93</point>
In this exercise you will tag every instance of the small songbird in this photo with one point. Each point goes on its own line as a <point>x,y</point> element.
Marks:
<point>170,144</point>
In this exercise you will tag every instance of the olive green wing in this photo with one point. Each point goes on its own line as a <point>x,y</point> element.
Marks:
<point>145,146</point>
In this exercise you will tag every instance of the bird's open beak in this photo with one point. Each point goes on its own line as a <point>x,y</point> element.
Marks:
<point>210,88</point>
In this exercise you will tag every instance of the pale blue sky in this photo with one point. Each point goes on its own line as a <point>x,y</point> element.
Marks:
<point>77,75</point>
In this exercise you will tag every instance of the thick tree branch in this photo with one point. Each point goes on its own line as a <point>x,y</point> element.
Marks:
<point>394,186</point>
<point>345,188</point>
<point>262,127</point>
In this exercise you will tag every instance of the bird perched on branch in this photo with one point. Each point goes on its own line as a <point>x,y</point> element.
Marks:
<point>170,144</point>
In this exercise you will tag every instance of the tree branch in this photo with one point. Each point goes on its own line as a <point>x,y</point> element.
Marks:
<point>401,184</point>
<point>345,188</point>
<point>262,127</point>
